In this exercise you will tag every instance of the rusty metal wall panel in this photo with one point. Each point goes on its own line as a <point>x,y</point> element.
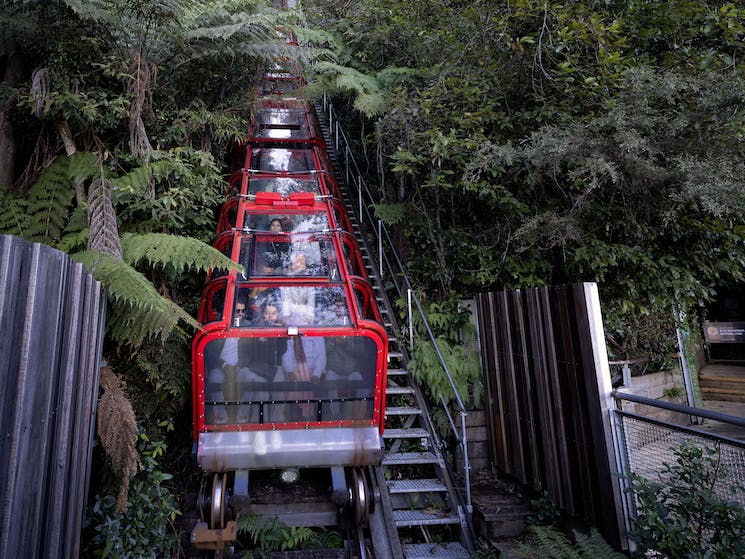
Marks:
<point>540,368</point>
<point>51,315</point>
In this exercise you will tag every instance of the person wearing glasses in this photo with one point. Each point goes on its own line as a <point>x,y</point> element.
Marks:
<point>224,380</point>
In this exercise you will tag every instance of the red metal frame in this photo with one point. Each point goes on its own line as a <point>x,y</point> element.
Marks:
<point>349,276</point>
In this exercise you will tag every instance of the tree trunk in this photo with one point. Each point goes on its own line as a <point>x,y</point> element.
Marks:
<point>12,75</point>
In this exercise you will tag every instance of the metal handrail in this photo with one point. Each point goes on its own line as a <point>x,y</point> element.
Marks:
<point>680,408</point>
<point>398,274</point>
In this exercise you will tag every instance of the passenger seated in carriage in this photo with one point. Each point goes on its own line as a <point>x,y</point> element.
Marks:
<point>246,361</point>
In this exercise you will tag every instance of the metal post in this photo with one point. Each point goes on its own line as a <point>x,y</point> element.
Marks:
<point>380,248</point>
<point>359,194</point>
<point>346,163</point>
<point>687,382</point>
<point>466,462</point>
<point>623,468</point>
<point>411,322</point>
<point>337,136</point>
<point>626,371</point>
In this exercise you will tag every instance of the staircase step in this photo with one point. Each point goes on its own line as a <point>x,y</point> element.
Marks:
<point>411,433</point>
<point>402,458</point>
<point>397,411</point>
<point>423,517</point>
<point>416,486</point>
<point>448,550</point>
<point>399,390</point>
<point>397,372</point>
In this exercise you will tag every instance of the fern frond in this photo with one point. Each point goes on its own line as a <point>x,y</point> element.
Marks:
<point>136,310</point>
<point>13,215</point>
<point>174,252</point>
<point>595,547</point>
<point>546,542</point>
<point>317,38</point>
<point>48,204</point>
<point>135,182</point>
<point>75,237</point>
<point>117,431</point>
<point>224,125</point>
<point>83,165</point>
<point>394,75</point>
<point>368,96</point>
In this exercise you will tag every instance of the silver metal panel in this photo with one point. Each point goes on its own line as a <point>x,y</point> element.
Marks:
<point>220,452</point>
<point>51,316</point>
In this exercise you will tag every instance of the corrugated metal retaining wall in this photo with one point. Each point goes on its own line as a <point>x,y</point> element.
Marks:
<point>51,319</point>
<point>548,398</point>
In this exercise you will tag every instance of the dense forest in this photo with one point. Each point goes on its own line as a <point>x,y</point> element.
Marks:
<point>529,143</point>
<point>513,144</point>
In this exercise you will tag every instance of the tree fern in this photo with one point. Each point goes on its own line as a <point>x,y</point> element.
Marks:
<point>547,542</point>
<point>75,237</point>
<point>13,217</point>
<point>117,431</point>
<point>273,535</point>
<point>103,229</point>
<point>595,546</point>
<point>136,310</point>
<point>176,253</point>
<point>329,75</point>
<point>43,214</point>
<point>83,165</point>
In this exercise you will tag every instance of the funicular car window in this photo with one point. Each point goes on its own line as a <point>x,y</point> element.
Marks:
<point>286,222</point>
<point>228,214</point>
<point>213,302</point>
<point>284,185</point>
<point>256,379</point>
<point>223,243</point>
<point>268,254</point>
<point>271,87</point>
<point>291,305</point>
<point>352,255</point>
<point>282,159</point>
<point>275,122</point>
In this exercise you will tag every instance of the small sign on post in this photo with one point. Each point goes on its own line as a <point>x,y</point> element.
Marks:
<point>724,332</point>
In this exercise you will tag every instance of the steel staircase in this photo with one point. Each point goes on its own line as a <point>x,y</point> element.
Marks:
<point>421,511</point>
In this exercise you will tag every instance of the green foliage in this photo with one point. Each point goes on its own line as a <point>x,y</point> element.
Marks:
<point>546,542</point>
<point>332,77</point>
<point>449,324</point>
<point>174,253</point>
<point>159,379</point>
<point>687,513</point>
<point>272,535</point>
<point>175,192</point>
<point>539,143</point>
<point>487,552</point>
<point>463,365</point>
<point>43,214</point>
<point>392,214</point>
<point>136,310</point>
<point>146,529</point>
<point>544,510</point>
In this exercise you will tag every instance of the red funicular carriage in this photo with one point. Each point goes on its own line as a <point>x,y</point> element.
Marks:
<point>289,369</point>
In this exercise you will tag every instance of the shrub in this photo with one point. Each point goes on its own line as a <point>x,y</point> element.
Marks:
<point>145,529</point>
<point>684,516</point>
